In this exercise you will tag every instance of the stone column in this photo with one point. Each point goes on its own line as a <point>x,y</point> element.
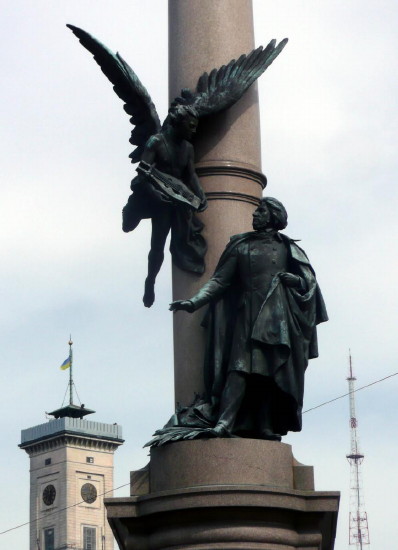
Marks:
<point>203,35</point>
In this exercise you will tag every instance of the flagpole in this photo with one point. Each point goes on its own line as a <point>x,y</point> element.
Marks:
<point>70,372</point>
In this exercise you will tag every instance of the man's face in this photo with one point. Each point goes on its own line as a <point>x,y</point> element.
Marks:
<point>187,127</point>
<point>261,217</point>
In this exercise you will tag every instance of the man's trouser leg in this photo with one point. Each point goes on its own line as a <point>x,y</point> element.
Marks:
<point>231,401</point>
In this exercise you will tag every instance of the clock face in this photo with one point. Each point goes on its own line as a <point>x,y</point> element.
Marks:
<point>49,495</point>
<point>89,493</point>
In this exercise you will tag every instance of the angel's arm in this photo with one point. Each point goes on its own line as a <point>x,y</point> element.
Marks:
<point>150,150</point>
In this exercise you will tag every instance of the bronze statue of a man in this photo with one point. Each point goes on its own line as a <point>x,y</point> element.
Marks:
<point>265,304</point>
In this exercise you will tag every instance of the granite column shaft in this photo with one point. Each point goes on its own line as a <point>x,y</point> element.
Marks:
<point>204,35</point>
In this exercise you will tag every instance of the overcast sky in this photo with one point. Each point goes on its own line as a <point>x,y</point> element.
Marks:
<point>329,133</point>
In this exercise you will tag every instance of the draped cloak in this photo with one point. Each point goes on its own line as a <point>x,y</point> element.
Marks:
<point>187,244</point>
<point>269,332</point>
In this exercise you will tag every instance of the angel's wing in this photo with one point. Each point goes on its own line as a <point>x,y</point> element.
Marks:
<point>128,87</point>
<point>223,87</point>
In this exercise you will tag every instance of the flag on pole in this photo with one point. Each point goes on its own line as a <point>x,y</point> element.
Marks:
<point>66,364</point>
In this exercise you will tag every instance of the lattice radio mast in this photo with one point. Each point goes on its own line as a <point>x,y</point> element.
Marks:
<point>358,521</point>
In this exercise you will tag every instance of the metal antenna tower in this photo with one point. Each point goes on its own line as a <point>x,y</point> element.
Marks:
<point>358,521</point>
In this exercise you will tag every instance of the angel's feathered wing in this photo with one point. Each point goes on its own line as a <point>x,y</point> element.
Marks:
<point>223,87</point>
<point>128,87</point>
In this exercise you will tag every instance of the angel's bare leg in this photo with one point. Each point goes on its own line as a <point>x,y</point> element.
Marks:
<point>160,229</point>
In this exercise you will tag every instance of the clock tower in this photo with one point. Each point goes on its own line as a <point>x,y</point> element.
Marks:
<point>71,471</point>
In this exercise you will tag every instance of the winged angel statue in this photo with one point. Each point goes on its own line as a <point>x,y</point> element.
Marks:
<point>166,188</point>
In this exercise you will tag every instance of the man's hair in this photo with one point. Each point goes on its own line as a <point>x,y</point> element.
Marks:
<point>277,211</point>
<point>178,113</point>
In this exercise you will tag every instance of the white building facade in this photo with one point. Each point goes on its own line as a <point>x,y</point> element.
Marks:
<point>71,472</point>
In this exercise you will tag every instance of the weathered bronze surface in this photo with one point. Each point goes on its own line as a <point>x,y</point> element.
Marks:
<point>168,150</point>
<point>264,305</point>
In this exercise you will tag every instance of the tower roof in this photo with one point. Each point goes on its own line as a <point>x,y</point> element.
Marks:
<point>71,411</point>
<point>70,428</point>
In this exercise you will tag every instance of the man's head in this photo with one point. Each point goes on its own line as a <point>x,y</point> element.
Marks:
<point>184,119</point>
<point>269,213</point>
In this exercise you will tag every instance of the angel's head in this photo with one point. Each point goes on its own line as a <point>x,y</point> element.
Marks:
<point>184,120</point>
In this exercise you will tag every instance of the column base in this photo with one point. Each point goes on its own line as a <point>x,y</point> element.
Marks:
<point>224,494</point>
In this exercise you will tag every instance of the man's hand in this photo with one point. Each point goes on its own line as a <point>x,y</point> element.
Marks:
<point>183,305</point>
<point>288,279</point>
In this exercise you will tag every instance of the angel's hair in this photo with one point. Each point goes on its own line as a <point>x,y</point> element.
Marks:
<point>177,113</point>
<point>277,211</point>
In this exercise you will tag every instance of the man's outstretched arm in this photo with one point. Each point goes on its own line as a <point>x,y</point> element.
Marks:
<point>213,289</point>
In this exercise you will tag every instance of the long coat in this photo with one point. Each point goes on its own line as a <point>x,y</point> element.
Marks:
<point>257,325</point>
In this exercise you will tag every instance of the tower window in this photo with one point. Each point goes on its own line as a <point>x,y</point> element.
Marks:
<point>49,539</point>
<point>89,538</point>
<point>90,459</point>
<point>47,462</point>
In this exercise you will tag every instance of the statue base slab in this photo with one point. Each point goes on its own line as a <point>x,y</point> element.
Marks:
<point>224,494</point>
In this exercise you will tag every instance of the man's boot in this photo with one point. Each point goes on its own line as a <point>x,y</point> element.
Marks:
<point>231,401</point>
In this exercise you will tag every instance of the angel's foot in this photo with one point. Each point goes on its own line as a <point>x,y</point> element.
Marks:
<point>149,294</point>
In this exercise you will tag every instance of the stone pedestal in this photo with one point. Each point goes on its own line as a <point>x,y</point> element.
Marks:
<point>224,494</point>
